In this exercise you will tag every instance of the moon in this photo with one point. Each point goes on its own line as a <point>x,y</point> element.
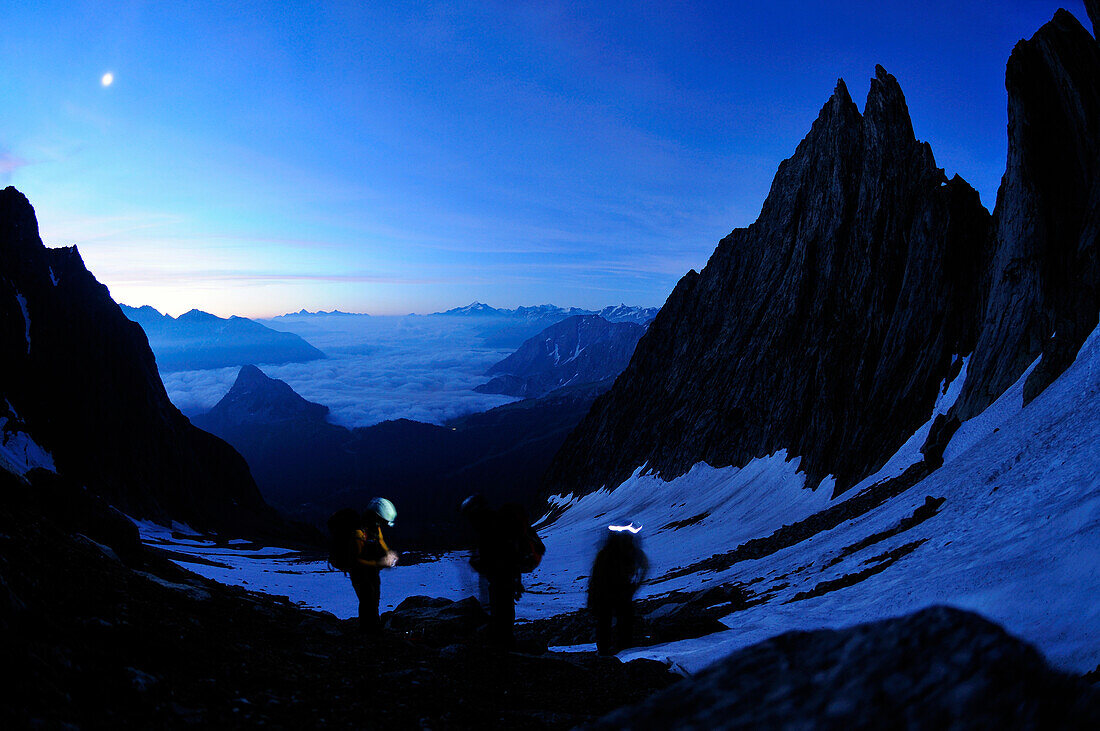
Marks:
<point>108,79</point>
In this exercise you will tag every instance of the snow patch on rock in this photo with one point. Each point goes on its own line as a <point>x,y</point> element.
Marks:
<point>19,453</point>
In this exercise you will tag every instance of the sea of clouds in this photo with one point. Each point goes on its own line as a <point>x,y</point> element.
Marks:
<point>378,368</point>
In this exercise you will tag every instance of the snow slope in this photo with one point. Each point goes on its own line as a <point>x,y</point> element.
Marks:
<point>1016,539</point>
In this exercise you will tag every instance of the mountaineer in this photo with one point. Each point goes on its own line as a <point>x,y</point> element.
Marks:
<point>359,549</point>
<point>506,546</point>
<point>619,569</point>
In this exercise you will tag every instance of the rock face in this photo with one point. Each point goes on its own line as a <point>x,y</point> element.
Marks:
<point>938,668</point>
<point>577,350</point>
<point>825,328</point>
<point>1044,283</point>
<point>80,379</point>
<point>198,340</point>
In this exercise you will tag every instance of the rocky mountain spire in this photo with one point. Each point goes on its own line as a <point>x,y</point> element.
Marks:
<point>1044,283</point>
<point>826,327</point>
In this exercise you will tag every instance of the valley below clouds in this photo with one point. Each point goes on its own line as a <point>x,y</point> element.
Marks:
<point>378,368</point>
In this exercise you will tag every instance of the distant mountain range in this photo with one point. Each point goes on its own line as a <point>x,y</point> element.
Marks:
<point>500,328</point>
<point>578,350</point>
<point>613,313</point>
<point>306,313</point>
<point>197,340</point>
<point>309,467</point>
<point>497,328</point>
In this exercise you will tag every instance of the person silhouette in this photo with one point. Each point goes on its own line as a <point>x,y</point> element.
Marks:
<point>496,556</point>
<point>619,569</point>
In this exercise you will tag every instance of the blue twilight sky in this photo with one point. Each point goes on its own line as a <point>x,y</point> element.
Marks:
<point>255,158</point>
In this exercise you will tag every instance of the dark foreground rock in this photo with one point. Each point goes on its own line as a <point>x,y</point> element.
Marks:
<point>938,668</point>
<point>102,633</point>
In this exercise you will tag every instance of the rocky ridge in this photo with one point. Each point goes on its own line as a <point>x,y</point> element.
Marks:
<point>1043,284</point>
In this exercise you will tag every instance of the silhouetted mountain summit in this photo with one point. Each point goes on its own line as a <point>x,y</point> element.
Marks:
<point>1042,290</point>
<point>258,398</point>
<point>309,467</point>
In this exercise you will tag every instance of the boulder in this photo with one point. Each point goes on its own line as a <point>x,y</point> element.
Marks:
<point>938,668</point>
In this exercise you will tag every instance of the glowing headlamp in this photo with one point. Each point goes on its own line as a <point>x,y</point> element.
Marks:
<point>629,528</point>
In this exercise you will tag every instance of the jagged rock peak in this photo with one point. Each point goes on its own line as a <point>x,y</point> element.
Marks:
<point>825,328</point>
<point>17,209</point>
<point>840,109</point>
<point>840,94</point>
<point>886,107</point>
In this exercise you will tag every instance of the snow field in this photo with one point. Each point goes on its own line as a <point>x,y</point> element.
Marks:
<point>1017,538</point>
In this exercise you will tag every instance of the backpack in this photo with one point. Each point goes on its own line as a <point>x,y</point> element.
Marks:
<point>341,529</point>
<point>532,549</point>
<point>529,547</point>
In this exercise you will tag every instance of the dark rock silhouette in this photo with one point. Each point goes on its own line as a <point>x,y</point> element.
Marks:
<point>578,350</point>
<point>1044,284</point>
<point>258,399</point>
<point>82,381</point>
<point>198,340</point>
<point>825,328</point>
<point>938,668</point>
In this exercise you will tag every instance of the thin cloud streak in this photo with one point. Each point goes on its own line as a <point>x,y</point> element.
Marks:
<point>157,276</point>
<point>9,163</point>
